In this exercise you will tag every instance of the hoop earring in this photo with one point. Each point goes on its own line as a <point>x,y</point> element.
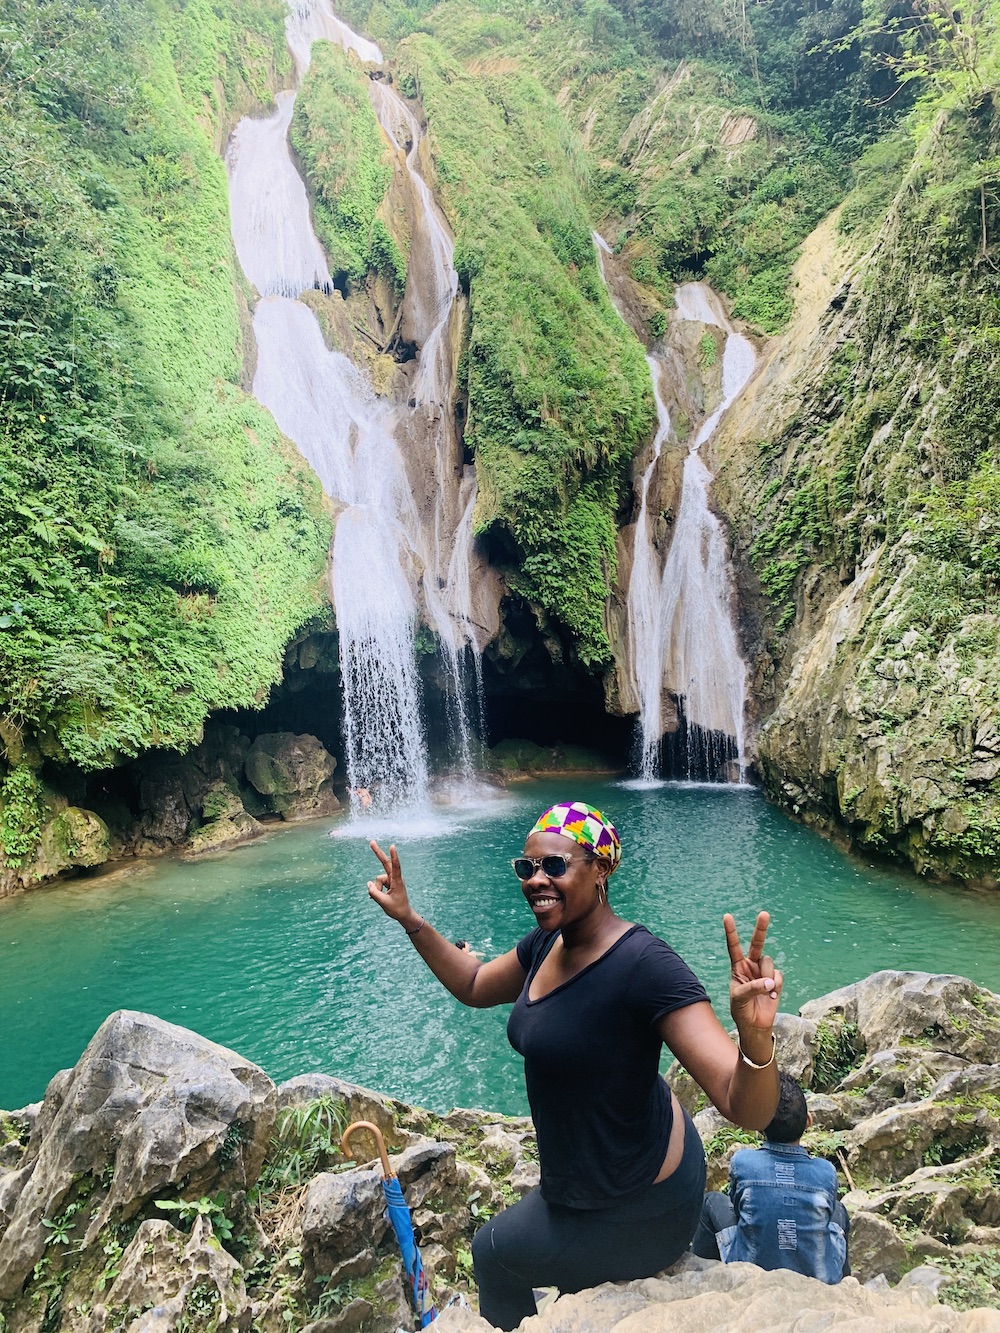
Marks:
<point>602,892</point>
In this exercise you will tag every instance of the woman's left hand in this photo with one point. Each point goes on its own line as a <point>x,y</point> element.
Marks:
<point>755,984</point>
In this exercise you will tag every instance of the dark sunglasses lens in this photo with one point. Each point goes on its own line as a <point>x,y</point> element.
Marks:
<point>523,868</point>
<point>554,866</point>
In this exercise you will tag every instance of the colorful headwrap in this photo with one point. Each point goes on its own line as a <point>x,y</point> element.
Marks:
<point>584,825</point>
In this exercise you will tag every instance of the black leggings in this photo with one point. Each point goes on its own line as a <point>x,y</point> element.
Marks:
<point>538,1244</point>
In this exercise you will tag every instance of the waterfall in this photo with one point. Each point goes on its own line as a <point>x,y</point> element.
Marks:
<point>681,625</point>
<point>322,401</point>
<point>644,618</point>
<point>700,648</point>
<point>432,286</point>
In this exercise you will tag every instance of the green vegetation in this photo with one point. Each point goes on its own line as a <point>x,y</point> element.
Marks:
<point>189,1210</point>
<point>729,1136</point>
<point>306,1139</point>
<point>161,541</point>
<point>559,395</point>
<point>837,1050</point>
<point>695,166</point>
<point>973,1280</point>
<point>894,457</point>
<point>336,136</point>
<point>22,813</point>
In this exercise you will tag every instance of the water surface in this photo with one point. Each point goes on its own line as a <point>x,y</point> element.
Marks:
<point>276,951</point>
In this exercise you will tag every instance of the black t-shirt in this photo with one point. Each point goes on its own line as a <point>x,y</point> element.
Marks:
<point>591,1064</point>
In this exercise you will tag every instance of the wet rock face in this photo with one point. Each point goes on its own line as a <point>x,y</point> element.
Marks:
<point>292,773</point>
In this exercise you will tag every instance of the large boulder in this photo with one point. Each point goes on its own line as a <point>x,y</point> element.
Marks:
<point>948,1013</point>
<point>359,1103</point>
<point>343,1213</point>
<point>292,773</point>
<point>149,1108</point>
<point>226,825</point>
<point>72,838</point>
<point>172,1283</point>
<point>702,1296</point>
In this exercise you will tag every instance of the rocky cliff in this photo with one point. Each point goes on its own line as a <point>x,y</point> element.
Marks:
<point>164,548</point>
<point>165,1184</point>
<point>860,475</point>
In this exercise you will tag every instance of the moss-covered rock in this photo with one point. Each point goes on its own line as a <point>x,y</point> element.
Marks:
<point>73,837</point>
<point>861,474</point>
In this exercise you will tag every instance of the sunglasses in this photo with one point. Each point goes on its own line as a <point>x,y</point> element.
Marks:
<point>553,867</point>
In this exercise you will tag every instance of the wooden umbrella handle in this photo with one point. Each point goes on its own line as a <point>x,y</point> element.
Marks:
<point>382,1151</point>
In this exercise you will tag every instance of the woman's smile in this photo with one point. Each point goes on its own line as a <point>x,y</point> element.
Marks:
<point>541,900</point>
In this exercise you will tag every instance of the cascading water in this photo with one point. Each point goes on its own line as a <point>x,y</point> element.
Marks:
<point>432,286</point>
<point>323,403</point>
<point>699,647</point>
<point>681,629</point>
<point>644,627</point>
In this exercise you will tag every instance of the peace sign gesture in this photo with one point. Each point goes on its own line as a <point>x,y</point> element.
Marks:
<point>755,985</point>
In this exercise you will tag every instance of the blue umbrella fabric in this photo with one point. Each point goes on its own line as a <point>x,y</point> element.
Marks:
<point>402,1224</point>
<point>399,1217</point>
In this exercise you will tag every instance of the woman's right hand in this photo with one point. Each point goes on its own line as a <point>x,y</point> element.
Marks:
<point>389,890</point>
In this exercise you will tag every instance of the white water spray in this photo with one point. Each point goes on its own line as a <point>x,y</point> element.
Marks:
<point>323,403</point>
<point>681,624</point>
<point>328,407</point>
<point>644,627</point>
<point>432,287</point>
<point>698,643</point>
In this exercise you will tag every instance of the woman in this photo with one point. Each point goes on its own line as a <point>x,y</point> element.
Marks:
<point>622,1166</point>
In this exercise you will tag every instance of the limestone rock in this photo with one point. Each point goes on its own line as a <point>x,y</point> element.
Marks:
<point>343,1220</point>
<point>170,1281</point>
<point>359,1103</point>
<point>15,1131</point>
<point>874,1247</point>
<point>948,1013</point>
<point>904,1073</point>
<point>703,1297</point>
<point>343,1214</point>
<point>831,1113</point>
<point>794,1037</point>
<point>228,823</point>
<point>949,1202</point>
<point>11,1184</point>
<point>293,773</point>
<point>895,1142</point>
<point>73,837</point>
<point>161,1104</point>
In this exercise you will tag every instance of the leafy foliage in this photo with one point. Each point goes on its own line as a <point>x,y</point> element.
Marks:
<point>305,1139</point>
<point>22,813</point>
<point>161,540</point>
<point>558,390</point>
<point>336,135</point>
<point>189,1210</point>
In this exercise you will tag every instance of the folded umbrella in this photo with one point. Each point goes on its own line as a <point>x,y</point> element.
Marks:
<point>402,1225</point>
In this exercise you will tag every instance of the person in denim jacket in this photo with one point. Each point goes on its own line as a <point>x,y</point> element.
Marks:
<point>782,1209</point>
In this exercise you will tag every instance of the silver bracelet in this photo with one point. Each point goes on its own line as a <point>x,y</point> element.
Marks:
<point>423,923</point>
<point>767,1063</point>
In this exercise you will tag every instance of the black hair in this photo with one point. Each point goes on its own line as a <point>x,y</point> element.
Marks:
<point>792,1115</point>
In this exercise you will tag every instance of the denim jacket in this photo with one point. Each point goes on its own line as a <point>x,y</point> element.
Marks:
<point>784,1201</point>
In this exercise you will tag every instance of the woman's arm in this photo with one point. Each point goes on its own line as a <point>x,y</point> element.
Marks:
<point>748,1097</point>
<point>477,984</point>
<point>741,1081</point>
